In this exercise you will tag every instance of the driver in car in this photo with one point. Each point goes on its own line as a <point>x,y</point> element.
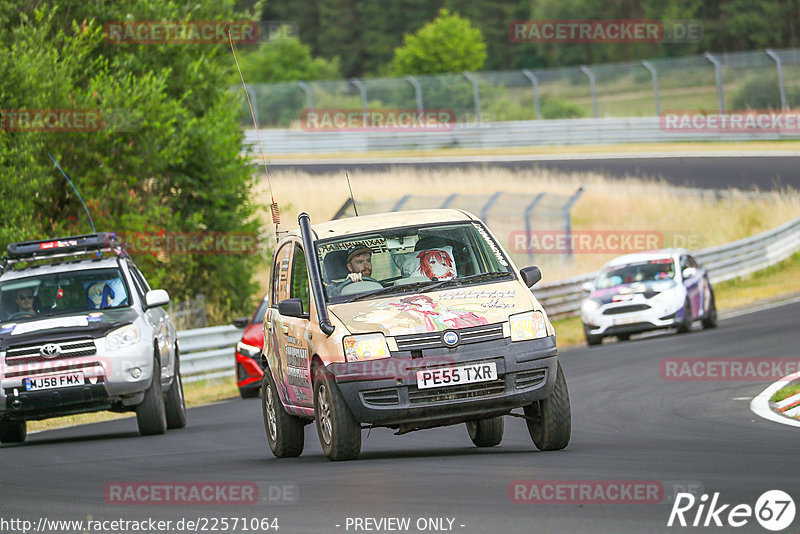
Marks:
<point>359,263</point>
<point>25,302</point>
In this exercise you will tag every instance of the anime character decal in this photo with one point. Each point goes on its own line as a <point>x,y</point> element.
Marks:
<point>436,264</point>
<point>436,316</point>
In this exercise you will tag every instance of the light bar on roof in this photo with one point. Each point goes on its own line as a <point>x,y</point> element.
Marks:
<point>102,241</point>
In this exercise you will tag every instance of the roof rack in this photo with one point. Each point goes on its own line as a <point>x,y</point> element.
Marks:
<point>62,247</point>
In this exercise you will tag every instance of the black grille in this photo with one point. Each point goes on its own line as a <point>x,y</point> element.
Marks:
<point>626,309</point>
<point>69,349</point>
<point>529,379</point>
<point>481,389</point>
<point>433,340</point>
<point>382,397</point>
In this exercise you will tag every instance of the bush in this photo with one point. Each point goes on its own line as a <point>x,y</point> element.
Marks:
<point>558,108</point>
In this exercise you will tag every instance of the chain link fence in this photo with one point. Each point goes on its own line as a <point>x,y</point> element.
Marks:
<point>768,79</point>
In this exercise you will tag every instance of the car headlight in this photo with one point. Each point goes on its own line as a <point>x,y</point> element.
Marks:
<point>528,325</point>
<point>365,347</point>
<point>590,305</point>
<point>248,350</point>
<point>122,337</point>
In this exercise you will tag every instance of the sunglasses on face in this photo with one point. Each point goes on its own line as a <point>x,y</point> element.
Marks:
<point>25,297</point>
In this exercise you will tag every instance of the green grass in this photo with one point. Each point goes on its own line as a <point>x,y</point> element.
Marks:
<point>785,393</point>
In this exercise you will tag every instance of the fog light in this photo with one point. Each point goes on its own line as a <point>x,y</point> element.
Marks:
<point>136,372</point>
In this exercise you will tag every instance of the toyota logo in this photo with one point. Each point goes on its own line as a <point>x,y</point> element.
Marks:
<point>51,350</point>
<point>450,339</point>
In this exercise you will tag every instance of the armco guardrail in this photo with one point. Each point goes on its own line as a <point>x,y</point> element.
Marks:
<point>209,352</point>
<point>493,135</point>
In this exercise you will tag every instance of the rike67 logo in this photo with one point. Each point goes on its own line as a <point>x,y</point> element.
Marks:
<point>774,510</point>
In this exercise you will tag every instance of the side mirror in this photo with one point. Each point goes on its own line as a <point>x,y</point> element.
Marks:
<point>155,298</point>
<point>531,275</point>
<point>241,322</point>
<point>689,272</point>
<point>292,308</point>
<point>586,287</point>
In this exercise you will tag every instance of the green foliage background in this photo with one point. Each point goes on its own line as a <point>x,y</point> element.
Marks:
<point>167,157</point>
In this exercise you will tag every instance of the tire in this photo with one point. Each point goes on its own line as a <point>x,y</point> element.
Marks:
<point>486,432</point>
<point>590,339</point>
<point>623,337</point>
<point>249,392</point>
<point>151,414</point>
<point>686,325</point>
<point>710,321</point>
<point>174,402</point>
<point>284,432</point>
<point>550,420</point>
<point>339,432</point>
<point>13,431</point>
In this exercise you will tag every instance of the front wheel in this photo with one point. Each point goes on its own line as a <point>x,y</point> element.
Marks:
<point>151,414</point>
<point>686,325</point>
<point>591,340</point>
<point>486,432</point>
<point>13,431</point>
<point>284,432</point>
<point>339,432</point>
<point>550,420</point>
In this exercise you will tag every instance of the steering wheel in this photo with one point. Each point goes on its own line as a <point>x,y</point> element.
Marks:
<point>21,314</point>
<point>349,283</point>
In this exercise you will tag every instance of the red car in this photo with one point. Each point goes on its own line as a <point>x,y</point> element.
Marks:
<point>248,352</point>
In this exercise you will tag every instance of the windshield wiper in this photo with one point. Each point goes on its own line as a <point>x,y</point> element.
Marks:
<point>387,290</point>
<point>473,277</point>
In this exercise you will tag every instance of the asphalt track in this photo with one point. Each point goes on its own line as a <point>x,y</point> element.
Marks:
<point>766,172</point>
<point>629,424</point>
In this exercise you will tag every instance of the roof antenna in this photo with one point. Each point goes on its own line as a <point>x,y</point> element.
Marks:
<point>76,192</point>
<point>352,198</point>
<point>273,207</point>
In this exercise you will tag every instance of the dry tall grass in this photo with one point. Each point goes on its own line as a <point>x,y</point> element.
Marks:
<point>607,204</point>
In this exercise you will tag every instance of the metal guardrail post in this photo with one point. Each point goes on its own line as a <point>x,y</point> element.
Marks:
<point>417,91</point>
<point>309,97</point>
<point>475,94</point>
<point>654,74</point>
<point>593,87</point>
<point>781,86</point>
<point>363,90</point>
<point>568,219</point>
<point>528,210</point>
<point>718,73</point>
<point>401,202</point>
<point>486,207</point>
<point>449,200</point>
<point>535,83</point>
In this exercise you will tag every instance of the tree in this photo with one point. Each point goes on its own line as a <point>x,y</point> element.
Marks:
<point>166,157</point>
<point>447,44</point>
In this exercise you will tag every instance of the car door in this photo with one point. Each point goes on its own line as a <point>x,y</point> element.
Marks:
<point>288,356</point>
<point>692,283</point>
<point>704,286</point>
<point>163,330</point>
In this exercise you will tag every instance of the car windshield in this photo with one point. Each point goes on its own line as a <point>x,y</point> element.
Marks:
<point>649,271</point>
<point>54,294</point>
<point>418,258</point>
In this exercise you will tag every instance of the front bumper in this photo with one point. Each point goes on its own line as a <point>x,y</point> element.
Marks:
<point>656,317</point>
<point>109,383</point>
<point>385,393</point>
